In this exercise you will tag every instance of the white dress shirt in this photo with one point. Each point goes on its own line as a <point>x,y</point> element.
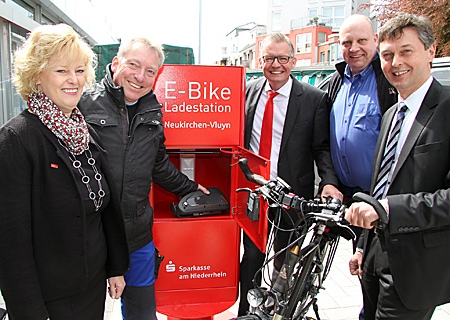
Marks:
<point>280,103</point>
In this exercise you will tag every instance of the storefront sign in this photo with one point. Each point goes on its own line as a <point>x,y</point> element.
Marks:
<point>202,105</point>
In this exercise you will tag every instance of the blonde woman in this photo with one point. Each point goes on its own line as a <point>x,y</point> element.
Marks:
<point>61,232</point>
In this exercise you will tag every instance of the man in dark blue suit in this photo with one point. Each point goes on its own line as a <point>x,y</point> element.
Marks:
<point>405,264</point>
<point>300,137</point>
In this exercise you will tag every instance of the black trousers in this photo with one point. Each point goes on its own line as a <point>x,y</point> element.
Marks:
<point>89,304</point>
<point>381,300</point>
<point>252,261</point>
<point>138,303</point>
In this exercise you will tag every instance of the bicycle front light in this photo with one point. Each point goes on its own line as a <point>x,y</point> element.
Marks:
<point>255,297</point>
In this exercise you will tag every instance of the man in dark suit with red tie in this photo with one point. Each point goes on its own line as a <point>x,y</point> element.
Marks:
<point>299,136</point>
<point>405,265</point>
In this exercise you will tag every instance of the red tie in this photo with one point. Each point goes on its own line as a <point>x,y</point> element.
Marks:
<point>265,142</point>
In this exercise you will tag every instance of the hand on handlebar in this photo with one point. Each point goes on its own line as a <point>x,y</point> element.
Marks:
<point>331,192</point>
<point>366,214</point>
<point>362,214</point>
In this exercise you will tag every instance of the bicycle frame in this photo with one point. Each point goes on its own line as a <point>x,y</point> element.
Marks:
<point>312,274</point>
<point>300,279</point>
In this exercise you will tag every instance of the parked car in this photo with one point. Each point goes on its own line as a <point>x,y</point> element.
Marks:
<point>440,70</point>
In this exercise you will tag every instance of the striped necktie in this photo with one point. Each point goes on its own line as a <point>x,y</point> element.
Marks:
<point>381,186</point>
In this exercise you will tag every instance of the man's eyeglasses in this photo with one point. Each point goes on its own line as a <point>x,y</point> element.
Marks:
<point>281,59</point>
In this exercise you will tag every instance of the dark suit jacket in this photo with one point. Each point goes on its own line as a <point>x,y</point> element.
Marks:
<point>418,234</point>
<point>305,136</point>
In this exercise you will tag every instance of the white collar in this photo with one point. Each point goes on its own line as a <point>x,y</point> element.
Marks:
<point>284,90</point>
<point>414,101</point>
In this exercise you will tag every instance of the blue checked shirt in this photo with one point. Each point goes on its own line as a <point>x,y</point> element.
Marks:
<point>354,128</point>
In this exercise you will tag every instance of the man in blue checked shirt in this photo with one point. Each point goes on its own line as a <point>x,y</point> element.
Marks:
<point>359,94</point>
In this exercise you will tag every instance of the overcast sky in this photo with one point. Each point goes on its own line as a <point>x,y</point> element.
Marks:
<point>176,22</point>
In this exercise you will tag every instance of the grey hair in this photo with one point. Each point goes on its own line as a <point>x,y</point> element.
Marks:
<point>278,37</point>
<point>126,46</point>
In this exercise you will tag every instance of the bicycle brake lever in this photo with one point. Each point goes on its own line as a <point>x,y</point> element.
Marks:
<point>328,218</point>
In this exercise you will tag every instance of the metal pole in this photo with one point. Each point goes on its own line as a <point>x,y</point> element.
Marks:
<point>199,30</point>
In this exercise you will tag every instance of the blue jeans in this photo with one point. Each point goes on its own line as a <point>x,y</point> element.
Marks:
<point>138,298</point>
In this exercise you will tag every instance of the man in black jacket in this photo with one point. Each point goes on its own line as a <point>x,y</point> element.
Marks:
<point>359,94</point>
<point>405,265</point>
<point>127,116</point>
<point>300,138</point>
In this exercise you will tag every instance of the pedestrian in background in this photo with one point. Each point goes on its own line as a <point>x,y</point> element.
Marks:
<point>127,116</point>
<point>298,136</point>
<point>404,265</point>
<point>61,232</point>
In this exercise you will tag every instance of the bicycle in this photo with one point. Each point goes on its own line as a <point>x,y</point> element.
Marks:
<point>291,293</point>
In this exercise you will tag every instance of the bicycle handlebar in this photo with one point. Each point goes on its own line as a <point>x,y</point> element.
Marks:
<point>276,192</point>
<point>360,196</point>
<point>256,178</point>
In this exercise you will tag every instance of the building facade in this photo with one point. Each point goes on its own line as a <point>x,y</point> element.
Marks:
<point>240,46</point>
<point>285,15</point>
<point>19,17</point>
<point>311,25</point>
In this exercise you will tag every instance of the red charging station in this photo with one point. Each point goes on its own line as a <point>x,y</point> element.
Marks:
<point>203,108</point>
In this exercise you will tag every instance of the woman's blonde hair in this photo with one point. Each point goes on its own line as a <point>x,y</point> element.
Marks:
<point>42,44</point>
